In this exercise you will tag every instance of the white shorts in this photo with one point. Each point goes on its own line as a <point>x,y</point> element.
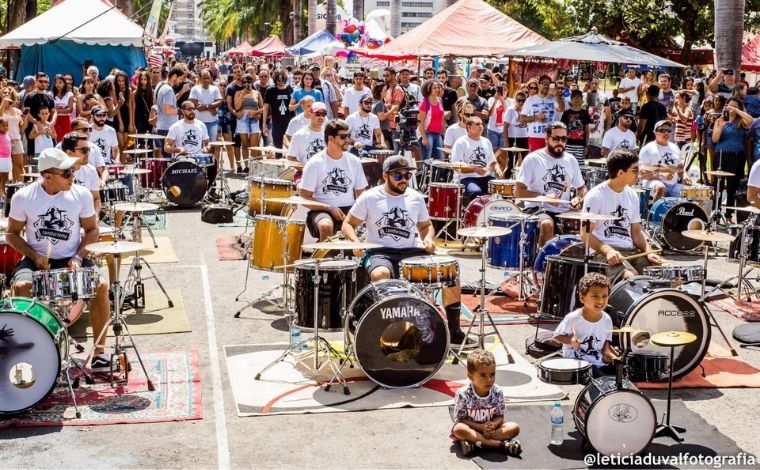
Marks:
<point>5,165</point>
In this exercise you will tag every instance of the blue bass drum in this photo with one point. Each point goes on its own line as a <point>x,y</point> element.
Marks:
<point>670,216</point>
<point>504,251</point>
<point>552,248</point>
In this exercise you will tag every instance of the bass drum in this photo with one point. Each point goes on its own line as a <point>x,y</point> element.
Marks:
<point>401,337</point>
<point>671,216</point>
<point>184,183</point>
<point>482,207</point>
<point>634,303</point>
<point>552,248</point>
<point>614,420</point>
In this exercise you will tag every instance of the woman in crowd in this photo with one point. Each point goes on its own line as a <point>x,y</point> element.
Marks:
<point>87,91</point>
<point>431,124</point>
<point>16,122</point>
<point>730,130</point>
<point>249,106</point>
<point>64,105</point>
<point>139,106</point>
<point>515,133</point>
<point>122,114</point>
<point>684,118</point>
<point>306,88</point>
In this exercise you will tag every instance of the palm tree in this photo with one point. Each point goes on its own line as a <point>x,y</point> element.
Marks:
<point>729,28</point>
<point>243,18</point>
<point>331,14</point>
<point>297,20</point>
<point>395,18</point>
<point>312,17</point>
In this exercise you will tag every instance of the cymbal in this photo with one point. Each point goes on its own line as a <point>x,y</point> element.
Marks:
<point>719,173</point>
<point>283,162</point>
<point>672,338</point>
<point>514,149</point>
<point>708,236</point>
<point>484,232</point>
<point>542,199</point>
<point>367,160</point>
<point>137,151</point>
<point>115,247</point>
<point>268,148</point>
<point>456,166</point>
<point>221,144</point>
<point>596,161</point>
<point>445,150</point>
<point>342,245</point>
<point>627,329</point>
<point>296,200</point>
<point>134,171</point>
<point>381,152</point>
<point>659,168</point>
<point>135,207</point>
<point>147,136</point>
<point>577,215</point>
<point>750,209</point>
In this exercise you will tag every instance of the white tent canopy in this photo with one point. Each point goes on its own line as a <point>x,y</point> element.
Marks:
<point>91,21</point>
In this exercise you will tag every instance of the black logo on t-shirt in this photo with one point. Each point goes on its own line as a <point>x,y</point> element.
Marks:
<point>478,157</point>
<point>555,180</point>
<point>105,150</point>
<point>589,347</point>
<point>315,146</point>
<point>54,225</point>
<point>363,132</point>
<point>395,224</point>
<point>618,228</point>
<point>191,138</point>
<point>336,182</point>
<point>668,158</point>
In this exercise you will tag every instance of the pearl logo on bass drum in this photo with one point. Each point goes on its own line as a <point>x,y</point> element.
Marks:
<point>623,413</point>
<point>677,313</point>
<point>683,211</point>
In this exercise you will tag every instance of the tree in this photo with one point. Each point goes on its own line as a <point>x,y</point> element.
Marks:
<point>297,20</point>
<point>330,20</point>
<point>729,28</point>
<point>224,19</point>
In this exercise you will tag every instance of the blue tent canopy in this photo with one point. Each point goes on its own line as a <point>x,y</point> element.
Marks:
<point>314,43</point>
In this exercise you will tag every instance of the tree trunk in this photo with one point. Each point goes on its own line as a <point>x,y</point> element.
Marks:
<point>395,18</point>
<point>332,12</point>
<point>31,9</point>
<point>297,20</point>
<point>17,15</point>
<point>729,27</point>
<point>124,6</point>
<point>312,17</point>
<point>359,10</point>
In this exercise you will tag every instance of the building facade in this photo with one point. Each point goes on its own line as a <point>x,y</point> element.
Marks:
<point>413,12</point>
<point>186,20</point>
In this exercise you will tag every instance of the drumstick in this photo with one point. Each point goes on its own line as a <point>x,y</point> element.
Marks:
<point>49,250</point>
<point>639,255</point>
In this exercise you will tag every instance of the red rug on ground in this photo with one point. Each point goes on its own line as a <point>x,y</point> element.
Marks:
<point>228,248</point>
<point>175,374</point>
<point>503,309</point>
<point>722,370</point>
<point>743,310</point>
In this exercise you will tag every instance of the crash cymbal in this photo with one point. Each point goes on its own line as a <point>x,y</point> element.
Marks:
<point>542,199</point>
<point>708,236</point>
<point>577,215</point>
<point>672,338</point>
<point>514,149</point>
<point>147,136</point>
<point>282,162</point>
<point>221,144</point>
<point>342,245</point>
<point>297,200</point>
<point>137,151</point>
<point>659,168</point>
<point>484,232</point>
<point>750,209</point>
<point>381,152</point>
<point>719,173</point>
<point>596,161</point>
<point>134,171</point>
<point>135,207</point>
<point>627,329</point>
<point>268,148</point>
<point>115,247</point>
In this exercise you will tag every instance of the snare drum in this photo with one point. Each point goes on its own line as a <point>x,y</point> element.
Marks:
<point>113,193</point>
<point>65,285</point>
<point>433,271</point>
<point>675,275</point>
<point>440,174</point>
<point>31,369</point>
<point>272,236</point>
<point>445,200</point>
<point>564,371</point>
<point>478,210</point>
<point>646,366</point>
<point>504,251</point>
<point>337,277</point>
<point>184,183</point>
<point>202,159</point>
<point>260,188</point>
<point>504,188</point>
<point>401,336</point>
<point>157,167</point>
<point>671,216</point>
<point>697,192</point>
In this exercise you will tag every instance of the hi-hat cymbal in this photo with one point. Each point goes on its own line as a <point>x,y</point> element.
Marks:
<point>627,329</point>
<point>297,200</point>
<point>445,150</point>
<point>719,173</point>
<point>282,162</point>
<point>542,199</point>
<point>484,232</point>
<point>577,215</point>
<point>750,209</point>
<point>147,136</point>
<point>268,148</point>
<point>137,151</point>
<point>514,149</point>
<point>672,338</point>
<point>342,245</point>
<point>135,207</point>
<point>114,247</point>
<point>134,171</point>
<point>381,152</point>
<point>221,144</point>
<point>708,236</point>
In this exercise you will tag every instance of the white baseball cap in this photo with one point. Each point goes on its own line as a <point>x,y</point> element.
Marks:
<point>55,159</point>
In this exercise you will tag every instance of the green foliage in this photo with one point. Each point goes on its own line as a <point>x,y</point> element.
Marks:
<point>276,29</point>
<point>227,18</point>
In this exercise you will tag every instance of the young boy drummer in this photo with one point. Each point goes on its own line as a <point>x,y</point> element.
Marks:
<point>586,333</point>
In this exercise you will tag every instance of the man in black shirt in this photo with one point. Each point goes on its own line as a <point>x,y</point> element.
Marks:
<point>276,100</point>
<point>235,85</point>
<point>652,112</point>
<point>34,101</point>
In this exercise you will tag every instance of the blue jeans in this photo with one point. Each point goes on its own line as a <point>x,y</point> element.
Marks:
<point>474,187</point>
<point>435,144</point>
<point>496,139</point>
<point>213,129</point>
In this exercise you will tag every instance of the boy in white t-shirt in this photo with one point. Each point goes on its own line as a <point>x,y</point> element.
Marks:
<point>753,185</point>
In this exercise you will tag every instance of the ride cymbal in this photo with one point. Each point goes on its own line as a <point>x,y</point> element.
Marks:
<point>297,200</point>
<point>708,236</point>
<point>542,199</point>
<point>577,215</point>
<point>750,209</point>
<point>719,173</point>
<point>137,151</point>
<point>135,207</point>
<point>147,136</point>
<point>114,247</point>
<point>342,245</point>
<point>672,338</point>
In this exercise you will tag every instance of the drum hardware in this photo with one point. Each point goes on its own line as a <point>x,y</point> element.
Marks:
<point>514,151</point>
<point>524,257</point>
<point>717,215</point>
<point>320,343</point>
<point>483,232</point>
<point>745,249</point>
<point>671,339</point>
<point>138,220</point>
<point>444,204</point>
<point>184,183</point>
<point>117,321</point>
<point>223,192</point>
<point>668,217</point>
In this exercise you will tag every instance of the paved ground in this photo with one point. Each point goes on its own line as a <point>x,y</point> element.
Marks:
<point>402,438</point>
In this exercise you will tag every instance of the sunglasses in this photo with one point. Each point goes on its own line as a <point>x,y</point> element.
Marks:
<point>321,113</point>
<point>520,100</point>
<point>343,136</point>
<point>469,115</point>
<point>367,102</point>
<point>84,150</point>
<point>44,81</point>
<point>472,85</point>
<point>101,114</point>
<point>560,138</point>
<point>67,173</point>
<point>402,176</point>
<point>664,131</point>
<point>532,88</point>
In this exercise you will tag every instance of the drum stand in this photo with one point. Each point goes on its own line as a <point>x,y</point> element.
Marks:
<point>117,322</point>
<point>224,193</point>
<point>742,277</point>
<point>457,220</point>
<point>320,343</point>
<point>703,301</point>
<point>717,215</point>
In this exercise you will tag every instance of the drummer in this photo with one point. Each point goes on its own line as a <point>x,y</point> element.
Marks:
<point>189,137</point>
<point>391,212</point>
<point>554,173</point>
<point>662,152</point>
<point>310,140</point>
<point>476,152</point>
<point>365,127</point>
<point>753,185</point>
<point>334,177</point>
<point>613,240</point>
<point>51,211</point>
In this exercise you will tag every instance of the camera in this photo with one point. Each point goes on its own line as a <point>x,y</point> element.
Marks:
<point>407,119</point>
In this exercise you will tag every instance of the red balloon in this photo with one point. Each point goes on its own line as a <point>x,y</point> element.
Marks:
<point>351,28</point>
<point>387,40</point>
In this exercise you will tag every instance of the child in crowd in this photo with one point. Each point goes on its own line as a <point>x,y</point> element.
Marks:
<point>5,156</point>
<point>479,407</point>
<point>586,333</point>
<point>42,133</point>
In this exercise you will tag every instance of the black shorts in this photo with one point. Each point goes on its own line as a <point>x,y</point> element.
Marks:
<point>313,218</point>
<point>26,267</point>
<point>390,258</point>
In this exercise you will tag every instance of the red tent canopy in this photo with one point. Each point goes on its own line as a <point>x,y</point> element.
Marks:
<point>751,55</point>
<point>271,46</point>
<point>243,49</point>
<point>468,28</point>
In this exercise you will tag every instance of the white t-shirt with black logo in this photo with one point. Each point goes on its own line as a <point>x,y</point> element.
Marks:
<point>205,96</point>
<point>52,221</point>
<point>668,154</point>
<point>332,181</point>
<point>189,136</point>
<point>391,221</point>
<point>592,336</point>
<point>474,152</point>
<point>105,139</point>
<point>306,143</point>
<point>615,139</point>
<point>363,128</point>
<point>87,177</point>
<point>546,175</point>
<point>604,200</point>
<point>351,97</point>
<point>296,124</point>
<point>534,105</point>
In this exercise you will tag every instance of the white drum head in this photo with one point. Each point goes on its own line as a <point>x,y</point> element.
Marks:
<point>497,206</point>
<point>621,423</point>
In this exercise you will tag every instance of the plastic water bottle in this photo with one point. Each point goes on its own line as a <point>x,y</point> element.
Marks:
<point>557,419</point>
<point>295,335</point>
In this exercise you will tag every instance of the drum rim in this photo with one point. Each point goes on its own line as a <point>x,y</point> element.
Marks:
<point>504,217</point>
<point>415,261</point>
<point>584,367</point>
<point>445,185</point>
<point>280,217</point>
<point>303,263</point>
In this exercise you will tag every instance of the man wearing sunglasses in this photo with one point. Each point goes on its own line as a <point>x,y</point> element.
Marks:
<point>76,146</point>
<point>52,211</point>
<point>333,177</point>
<point>478,102</point>
<point>539,110</point>
<point>104,136</point>
<point>662,152</point>
<point>31,104</point>
<point>621,136</point>
<point>310,140</point>
<point>365,126</point>
<point>476,151</point>
<point>95,158</point>
<point>554,173</point>
<point>396,217</point>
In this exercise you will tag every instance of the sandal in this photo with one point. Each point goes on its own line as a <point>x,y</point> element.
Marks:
<point>512,447</point>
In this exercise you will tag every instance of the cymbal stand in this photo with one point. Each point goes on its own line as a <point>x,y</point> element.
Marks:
<point>665,428</point>
<point>742,277</point>
<point>117,322</point>
<point>483,313</point>
<point>224,193</point>
<point>348,344</point>
<point>703,301</point>
<point>138,222</point>
<point>717,215</point>
<point>134,282</point>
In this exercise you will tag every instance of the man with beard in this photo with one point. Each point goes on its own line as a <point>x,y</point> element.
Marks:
<point>476,151</point>
<point>76,146</point>
<point>621,136</point>
<point>404,81</point>
<point>613,240</point>
<point>365,126</point>
<point>104,136</point>
<point>393,97</point>
<point>554,173</point>
<point>32,102</point>
<point>396,218</point>
<point>188,136</point>
<point>166,102</point>
<point>334,177</point>
<point>276,100</point>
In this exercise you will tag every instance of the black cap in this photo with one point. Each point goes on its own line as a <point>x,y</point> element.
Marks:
<point>397,162</point>
<point>625,112</point>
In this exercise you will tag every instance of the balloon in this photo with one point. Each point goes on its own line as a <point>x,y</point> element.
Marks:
<point>351,29</point>
<point>387,40</point>
<point>372,45</point>
<point>351,55</point>
<point>342,54</point>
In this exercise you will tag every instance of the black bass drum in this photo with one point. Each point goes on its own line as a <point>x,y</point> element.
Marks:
<point>184,182</point>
